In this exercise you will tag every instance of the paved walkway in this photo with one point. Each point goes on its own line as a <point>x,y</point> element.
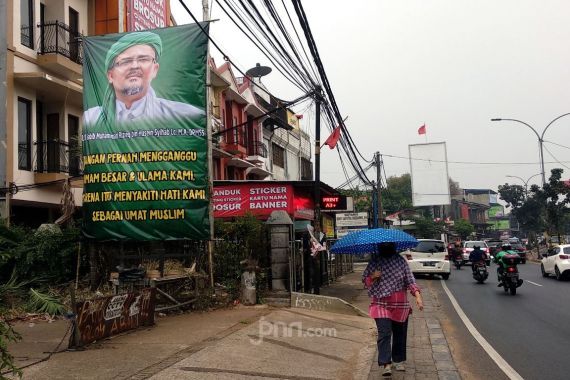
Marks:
<point>246,343</point>
<point>428,352</point>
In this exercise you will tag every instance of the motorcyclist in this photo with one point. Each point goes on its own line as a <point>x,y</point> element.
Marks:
<point>477,255</point>
<point>457,252</point>
<point>505,250</point>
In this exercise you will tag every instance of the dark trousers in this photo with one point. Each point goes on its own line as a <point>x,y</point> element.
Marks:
<point>397,333</point>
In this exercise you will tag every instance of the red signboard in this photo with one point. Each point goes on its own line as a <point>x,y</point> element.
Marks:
<point>259,199</point>
<point>146,14</point>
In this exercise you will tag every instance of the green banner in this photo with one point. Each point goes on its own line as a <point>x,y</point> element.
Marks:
<point>144,135</point>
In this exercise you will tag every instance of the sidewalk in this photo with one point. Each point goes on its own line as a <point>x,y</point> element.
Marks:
<point>428,354</point>
<point>244,343</point>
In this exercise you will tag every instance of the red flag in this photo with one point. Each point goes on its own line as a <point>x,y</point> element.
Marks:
<point>333,138</point>
<point>422,130</point>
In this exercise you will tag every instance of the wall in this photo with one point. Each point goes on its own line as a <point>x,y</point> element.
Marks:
<point>3,116</point>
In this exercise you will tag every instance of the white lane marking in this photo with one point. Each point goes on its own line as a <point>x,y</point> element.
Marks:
<point>493,354</point>
<point>534,283</point>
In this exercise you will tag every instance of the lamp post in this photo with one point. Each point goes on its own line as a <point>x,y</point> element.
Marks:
<point>540,139</point>
<point>525,182</point>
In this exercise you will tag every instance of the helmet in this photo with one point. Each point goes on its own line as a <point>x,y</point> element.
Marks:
<point>476,247</point>
<point>506,247</point>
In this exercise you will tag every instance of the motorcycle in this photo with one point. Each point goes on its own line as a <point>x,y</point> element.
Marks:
<point>458,260</point>
<point>480,272</point>
<point>510,276</point>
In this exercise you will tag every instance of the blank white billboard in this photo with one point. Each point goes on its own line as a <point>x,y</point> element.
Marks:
<point>430,179</point>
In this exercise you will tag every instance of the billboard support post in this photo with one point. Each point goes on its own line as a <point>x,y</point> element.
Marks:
<point>206,17</point>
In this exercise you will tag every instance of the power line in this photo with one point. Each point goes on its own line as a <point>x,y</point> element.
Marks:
<point>560,145</point>
<point>549,152</point>
<point>469,162</point>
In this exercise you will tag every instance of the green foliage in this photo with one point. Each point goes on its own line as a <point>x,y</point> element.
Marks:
<point>398,193</point>
<point>426,228</point>
<point>40,256</point>
<point>7,334</point>
<point>45,303</point>
<point>544,208</point>
<point>362,199</point>
<point>463,228</point>
<point>514,195</point>
<point>242,239</point>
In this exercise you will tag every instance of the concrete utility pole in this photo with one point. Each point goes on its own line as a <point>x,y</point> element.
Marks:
<point>206,17</point>
<point>317,188</point>
<point>378,163</point>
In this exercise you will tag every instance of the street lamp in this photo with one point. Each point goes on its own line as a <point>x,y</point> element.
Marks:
<point>525,182</point>
<point>540,139</point>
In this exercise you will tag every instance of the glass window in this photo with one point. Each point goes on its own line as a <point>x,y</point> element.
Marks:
<point>278,156</point>
<point>24,134</point>
<point>27,23</point>
<point>430,246</point>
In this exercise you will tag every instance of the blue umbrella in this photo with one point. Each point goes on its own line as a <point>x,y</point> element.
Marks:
<point>365,241</point>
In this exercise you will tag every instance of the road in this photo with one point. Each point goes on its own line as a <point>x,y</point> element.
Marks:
<point>531,330</point>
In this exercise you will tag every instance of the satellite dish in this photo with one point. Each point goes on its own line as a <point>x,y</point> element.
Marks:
<point>258,71</point>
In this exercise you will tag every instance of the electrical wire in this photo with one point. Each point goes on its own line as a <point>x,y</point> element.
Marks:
<point>469,162</point>
<point>225,56</point>
<point>553,143</point>
<point>556,159</point>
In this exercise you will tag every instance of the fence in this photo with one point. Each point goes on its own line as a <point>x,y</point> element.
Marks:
<point>58,38</point>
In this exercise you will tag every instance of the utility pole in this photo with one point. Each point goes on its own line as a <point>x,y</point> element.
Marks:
<point>206,17</point>
<point>380,216</point>
<point>317,188</point>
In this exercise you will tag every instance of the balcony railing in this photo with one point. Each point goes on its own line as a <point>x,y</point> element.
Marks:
<point>257,149</point>
<point>55,156</point>
<point>24,156</point>
<point>58,38</point>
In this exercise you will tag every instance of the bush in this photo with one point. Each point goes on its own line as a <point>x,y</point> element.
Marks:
<point>242,239</point>
<point>39,257</point>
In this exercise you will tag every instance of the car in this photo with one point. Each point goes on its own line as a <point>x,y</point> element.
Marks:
<point>556,262</point>
<point>521,250</point>
<point>469,245</point>
<point>430,256</point>
<point>494,246</point>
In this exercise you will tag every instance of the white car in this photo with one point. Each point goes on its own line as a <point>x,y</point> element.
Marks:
<point>470,244</point>
<point>556,262</point>
<point>429,257</point>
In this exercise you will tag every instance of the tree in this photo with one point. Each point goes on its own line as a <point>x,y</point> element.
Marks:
<point>463,228</point>
<point>362,199</point>
<point>514,195</point>
<point>426,228</point>
<point>398,193</point>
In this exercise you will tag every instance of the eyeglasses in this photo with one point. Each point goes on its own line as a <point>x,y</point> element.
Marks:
<point>143,60</point>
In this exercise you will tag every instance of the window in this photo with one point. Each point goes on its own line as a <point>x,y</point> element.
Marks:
<point>306,169</point>
<point>106,16</point>
<point>27,23</point>
<point>235,131</point>
<point>278,156</point>
<point>74,147</point>
<point>24,134</point>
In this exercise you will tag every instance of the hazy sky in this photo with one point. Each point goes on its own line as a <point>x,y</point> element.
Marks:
<point>453,65</point>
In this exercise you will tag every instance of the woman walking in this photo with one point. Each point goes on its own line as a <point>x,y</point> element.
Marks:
<point>387,278</point>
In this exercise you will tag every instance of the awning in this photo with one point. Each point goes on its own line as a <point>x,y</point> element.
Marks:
<point>256,170</point>
<point>239,163</point>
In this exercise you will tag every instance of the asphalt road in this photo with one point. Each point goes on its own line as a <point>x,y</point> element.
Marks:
<point>531,330</point>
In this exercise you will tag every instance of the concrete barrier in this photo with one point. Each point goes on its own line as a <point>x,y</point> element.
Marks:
<point>316,302</point>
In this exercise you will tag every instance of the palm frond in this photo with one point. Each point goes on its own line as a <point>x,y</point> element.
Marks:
<point>45,303</point>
